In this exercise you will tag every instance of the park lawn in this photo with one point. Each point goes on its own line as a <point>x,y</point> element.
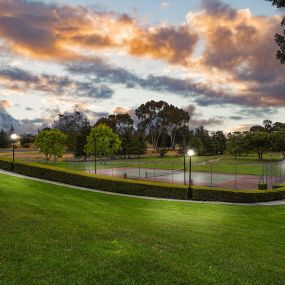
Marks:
<point>57,235</point>
<point>218,164</point>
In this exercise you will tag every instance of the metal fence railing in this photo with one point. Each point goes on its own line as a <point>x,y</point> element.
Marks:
<point>230,175</point>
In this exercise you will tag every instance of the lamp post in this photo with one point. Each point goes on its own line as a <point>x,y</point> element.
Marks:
<point>95,154</point>
<point>190,154</point>
<point>14,138</point>
<point>184,160</point>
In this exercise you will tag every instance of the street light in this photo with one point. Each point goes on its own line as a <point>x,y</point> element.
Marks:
<point>190,153</point>
<point>95,154</point>
<point>14,138</point>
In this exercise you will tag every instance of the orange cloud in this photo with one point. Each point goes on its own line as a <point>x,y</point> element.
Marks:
<point>46,31</point>
<point>5,104</point>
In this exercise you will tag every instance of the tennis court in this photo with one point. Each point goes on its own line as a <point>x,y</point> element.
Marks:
<point>230,181</point>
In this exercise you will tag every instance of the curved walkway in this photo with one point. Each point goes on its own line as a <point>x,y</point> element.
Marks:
<point>272,203</point>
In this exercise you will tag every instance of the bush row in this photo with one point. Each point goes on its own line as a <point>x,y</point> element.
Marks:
<point>104,183</point>
<point>237,196</point>
<point>142,188</point>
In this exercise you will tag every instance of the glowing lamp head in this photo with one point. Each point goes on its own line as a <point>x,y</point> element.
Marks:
<point>14,137</point>
<point>191,152</point>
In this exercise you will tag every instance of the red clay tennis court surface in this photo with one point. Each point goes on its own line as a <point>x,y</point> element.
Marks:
<point>229,181</point>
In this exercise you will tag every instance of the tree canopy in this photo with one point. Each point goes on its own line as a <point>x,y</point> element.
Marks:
<point>280,39</point>
<point>102,141</point>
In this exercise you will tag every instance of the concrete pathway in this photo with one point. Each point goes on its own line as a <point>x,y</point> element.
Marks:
<point>273,203</point>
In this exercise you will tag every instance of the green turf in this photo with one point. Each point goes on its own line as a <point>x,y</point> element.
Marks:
<point>55,235</point>
<point>218,164</point>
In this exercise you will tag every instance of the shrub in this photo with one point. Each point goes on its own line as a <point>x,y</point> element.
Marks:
<point>262,186</point>
<point>104,183</point>
<point>237,196</point>
<point>142,188</point>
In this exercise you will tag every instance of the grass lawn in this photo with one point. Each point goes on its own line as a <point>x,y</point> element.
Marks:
<point>218,164</point>
<point>55,235</point>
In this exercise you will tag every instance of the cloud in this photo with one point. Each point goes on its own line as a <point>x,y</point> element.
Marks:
<point>165,5</point>
<point>40,30</point>
<point>22,81</point>
<point>120,110</point>
<point>4,105</point>
<point>197,120</point>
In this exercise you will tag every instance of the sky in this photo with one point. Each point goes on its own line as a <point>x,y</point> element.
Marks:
<point>215,59</point>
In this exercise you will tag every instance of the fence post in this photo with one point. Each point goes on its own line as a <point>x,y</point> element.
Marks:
<point>211,174</point>
<point>235,175</point>
<point>139,168</point>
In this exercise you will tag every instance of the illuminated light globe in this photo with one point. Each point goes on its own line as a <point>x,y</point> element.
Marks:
<point>14,137</point>
<point>191,152</point>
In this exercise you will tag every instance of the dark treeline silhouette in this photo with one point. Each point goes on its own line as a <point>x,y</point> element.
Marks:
<point>161,127</point>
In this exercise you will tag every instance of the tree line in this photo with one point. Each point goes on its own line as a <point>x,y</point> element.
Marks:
<point>156,124</point>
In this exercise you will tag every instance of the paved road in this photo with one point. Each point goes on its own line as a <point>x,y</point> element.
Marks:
<point>273,203</point>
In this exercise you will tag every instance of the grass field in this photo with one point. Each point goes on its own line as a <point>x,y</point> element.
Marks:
<point>55,235</point>
<point>218,164</point>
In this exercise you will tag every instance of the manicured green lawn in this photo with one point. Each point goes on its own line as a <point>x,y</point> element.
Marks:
<point>55,235</point>
<point>218,164</point>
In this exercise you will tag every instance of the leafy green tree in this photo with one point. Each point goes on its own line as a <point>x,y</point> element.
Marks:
<point>196,144</point>
<point>234,143</point>
<point>219,141</point>
<point>260,142</point>
<point>151,120</point>
<point>280,39</point>
<point>173,119</point>
<point>4,139</point>
<point>81,140</point>
<point>277,140</point>
<point>51,143</point>
<point>102,141</point>
<point>70,124</point>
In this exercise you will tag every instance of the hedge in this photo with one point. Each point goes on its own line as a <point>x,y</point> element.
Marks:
<point>142,188</point>
<point>237,196</point>
<point>104,183</point>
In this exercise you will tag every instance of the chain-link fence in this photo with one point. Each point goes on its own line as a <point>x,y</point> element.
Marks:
<point>230,175</point>
<point>274,173</point>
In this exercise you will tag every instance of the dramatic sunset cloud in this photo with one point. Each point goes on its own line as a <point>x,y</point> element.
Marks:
<point>59,56</point>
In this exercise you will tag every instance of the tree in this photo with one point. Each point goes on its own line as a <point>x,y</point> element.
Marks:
<point>257,128</point>
<point>259,141</point>
<point>51,143</point>
<point>277,140</point>
<point>219,141</point>
<point>173,119</point>
<point>280,39</point>
<point>4,139</point>
<point>268,125</point>
<point>151,120</point>
<point>102,141</point>
<point>27,139</point>
<point>70,124</point>
<point>81,140</point>
<point>234,143</point>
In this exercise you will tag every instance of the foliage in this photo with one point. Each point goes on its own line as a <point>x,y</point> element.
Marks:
<point>259,141</point>
<point>51,143</point>
<point>102,141</point>
<point>144,188</point>
<point>278,142</point>
<point>70,124</point>
<point>4,139</point>
<point>280,39</point>
<point>81,140</point>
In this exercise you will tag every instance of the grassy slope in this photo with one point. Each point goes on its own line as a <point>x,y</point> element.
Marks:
<point>55,235</point>
<point>221,164</point>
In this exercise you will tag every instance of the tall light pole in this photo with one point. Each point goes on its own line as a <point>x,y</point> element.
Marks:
<point>190,154</point>
<point>14,138</point>
<point>184,160</point>
<point>95,154</point>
